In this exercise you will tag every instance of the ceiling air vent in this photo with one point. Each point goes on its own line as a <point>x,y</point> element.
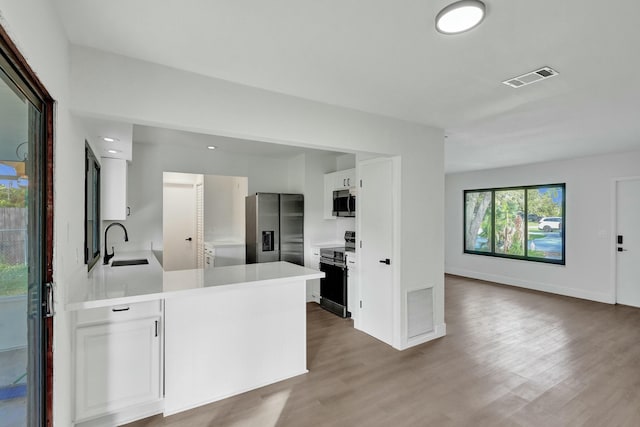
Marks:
<point>532,77</point>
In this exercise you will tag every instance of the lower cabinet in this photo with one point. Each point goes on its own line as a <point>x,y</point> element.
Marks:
<point>118,363</point>
<point>313,285</point>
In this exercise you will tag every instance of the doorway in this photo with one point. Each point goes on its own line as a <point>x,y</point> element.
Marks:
<point>182,224</point>
<point>209,209</point>
<point>628,242</point>
<point>26,242</point>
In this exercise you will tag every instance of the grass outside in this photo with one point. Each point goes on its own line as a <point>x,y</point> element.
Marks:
<point>13,280</point>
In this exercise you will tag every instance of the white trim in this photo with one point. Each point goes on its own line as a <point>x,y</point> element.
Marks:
<point>124,416</point>
<point>438,332</point>
<point>399,301</point>
<point>536,286</point>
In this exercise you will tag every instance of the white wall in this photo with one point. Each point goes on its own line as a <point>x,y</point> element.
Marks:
<point>588,229</point>
<point>35,29</point>
<point>145,182</point>
<point>138,91</point>
<point>123,89</point>
<point>224,207</point>
<point>345,161</point>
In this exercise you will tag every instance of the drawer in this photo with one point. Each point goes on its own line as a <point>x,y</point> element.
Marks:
<point>120,312</point>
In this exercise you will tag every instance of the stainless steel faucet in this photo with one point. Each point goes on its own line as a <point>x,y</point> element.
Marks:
<point>107,255</point>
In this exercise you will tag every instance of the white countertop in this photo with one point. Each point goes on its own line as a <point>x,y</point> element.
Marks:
<point>332,244</point>
<point>221,243</point>
<point>106,285</point>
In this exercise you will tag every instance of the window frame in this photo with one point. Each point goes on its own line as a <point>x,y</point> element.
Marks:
<point>525,257</point>
<point>92,219</point>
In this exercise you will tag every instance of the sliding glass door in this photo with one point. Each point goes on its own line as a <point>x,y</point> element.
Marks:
<point>23,238</point>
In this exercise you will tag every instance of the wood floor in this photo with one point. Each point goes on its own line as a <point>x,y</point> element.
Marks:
<point>511,357</point>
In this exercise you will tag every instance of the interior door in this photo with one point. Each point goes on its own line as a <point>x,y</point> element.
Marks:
<point>628,243</point>
<point>179,225</point>
<point>375,213</point>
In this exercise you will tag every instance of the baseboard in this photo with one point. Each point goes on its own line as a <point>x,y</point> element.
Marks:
<point>125,416</point>
<point>438,332</point>
<point>536,286</point>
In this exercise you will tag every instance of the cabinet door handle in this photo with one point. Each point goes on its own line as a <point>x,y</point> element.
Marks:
<point>120,309</point>
<point>344,182</point>
<point>156,328</point>
<point>348,182</point>
<point>385,261</point>
<point>128,211</point>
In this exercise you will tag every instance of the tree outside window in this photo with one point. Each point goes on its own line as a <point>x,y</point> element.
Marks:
<point>517,222</point>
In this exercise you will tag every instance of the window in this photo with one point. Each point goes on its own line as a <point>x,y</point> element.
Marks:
<point>519,222</point>
<point>91,208</point>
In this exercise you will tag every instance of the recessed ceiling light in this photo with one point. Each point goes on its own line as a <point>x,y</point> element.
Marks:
<point>211,147</point>
<point>113,151</point>
<point>106,138</point>
<point>460,16</point>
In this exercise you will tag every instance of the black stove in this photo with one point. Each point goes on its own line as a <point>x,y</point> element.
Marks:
<point>333,287</point>
<point>333,256</point>
<point>336,255</point>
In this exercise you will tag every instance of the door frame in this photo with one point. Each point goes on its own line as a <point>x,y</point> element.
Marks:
<point>21,71</point>
<point>614,232</point>
<point>397,301</point>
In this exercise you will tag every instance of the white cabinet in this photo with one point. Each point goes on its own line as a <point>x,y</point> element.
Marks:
<point>118,363</point>
<point>113,175</point>
<point>340,180</point>
<point>313,285</point>
<point>345,179</point>
<point>353,300</point>
<point>229,254</point>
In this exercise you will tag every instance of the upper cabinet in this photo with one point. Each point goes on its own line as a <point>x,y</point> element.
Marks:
<point>114,189</point>
<point>344,179</point>
<point>333,181</point>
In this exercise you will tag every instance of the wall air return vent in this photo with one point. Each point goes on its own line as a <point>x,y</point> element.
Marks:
<point>532,77</point>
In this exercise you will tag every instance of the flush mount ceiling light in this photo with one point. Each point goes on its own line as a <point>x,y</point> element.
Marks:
<point>106,138</point>
<point>460,16</point>
<point>211,147</point>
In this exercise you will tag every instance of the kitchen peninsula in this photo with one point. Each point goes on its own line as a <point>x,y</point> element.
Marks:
<point>218,332</point>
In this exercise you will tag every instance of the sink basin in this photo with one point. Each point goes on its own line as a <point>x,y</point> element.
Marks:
<point>123,262</point>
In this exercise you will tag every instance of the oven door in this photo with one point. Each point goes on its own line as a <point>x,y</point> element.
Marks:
<point>333,288</point>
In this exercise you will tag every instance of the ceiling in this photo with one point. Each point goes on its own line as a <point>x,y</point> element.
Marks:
<point>386,57</point>
<point>154,135</point>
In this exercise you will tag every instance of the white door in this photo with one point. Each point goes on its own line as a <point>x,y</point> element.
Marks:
<point>179,227</point>
<point>375,215</point>
<point>628,252</point>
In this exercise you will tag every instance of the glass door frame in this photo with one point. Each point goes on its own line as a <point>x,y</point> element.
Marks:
<point>14,65</point>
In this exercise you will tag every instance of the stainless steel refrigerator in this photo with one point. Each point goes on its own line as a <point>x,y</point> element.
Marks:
<point>275,228</point>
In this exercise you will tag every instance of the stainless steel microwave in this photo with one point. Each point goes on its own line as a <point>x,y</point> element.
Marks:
<point>344,203</point>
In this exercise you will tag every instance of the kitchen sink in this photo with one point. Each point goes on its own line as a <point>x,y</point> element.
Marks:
<point>124,262</point>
